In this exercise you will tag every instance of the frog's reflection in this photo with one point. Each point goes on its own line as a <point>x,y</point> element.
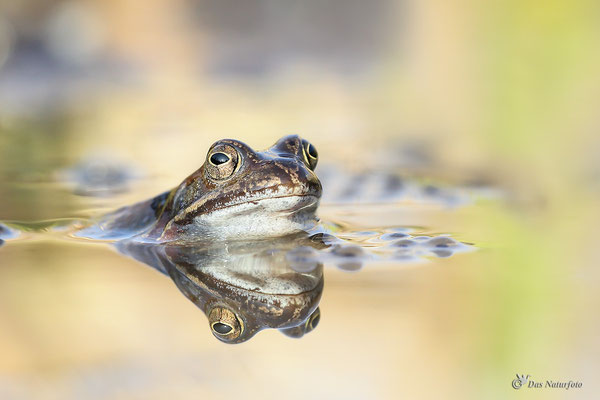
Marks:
<point>244,287</point>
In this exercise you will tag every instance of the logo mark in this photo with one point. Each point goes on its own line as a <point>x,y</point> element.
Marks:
<point>520,381</point>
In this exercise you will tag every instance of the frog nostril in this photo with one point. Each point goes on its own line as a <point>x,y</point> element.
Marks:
<point>219,158</point>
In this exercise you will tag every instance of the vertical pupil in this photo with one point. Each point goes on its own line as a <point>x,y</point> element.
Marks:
<point>311,150</point>
<point>219,158</point>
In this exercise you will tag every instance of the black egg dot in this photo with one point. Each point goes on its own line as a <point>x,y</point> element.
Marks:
<point>312,151</point>
<point>404,243</point>
<point>221,328</point>
<point>219,158</point>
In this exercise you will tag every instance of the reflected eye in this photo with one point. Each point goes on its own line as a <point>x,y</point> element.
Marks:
<point>221,328</point>
<point>310,154</point>
<point>219,158</point>
<point>225,324</point>
<point>221,162</point>
<point>313,321</point>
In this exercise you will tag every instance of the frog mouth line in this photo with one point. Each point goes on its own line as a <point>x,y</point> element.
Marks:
<point>304,204</point>
<point>194,278</point>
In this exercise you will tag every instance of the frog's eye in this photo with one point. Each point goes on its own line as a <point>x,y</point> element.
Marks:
<point>221,328</point>
<point>219,158</point>
<point>225,324</point>
<point>311,323</point>
<point>313,320</point>
<point>310,154</point>
<point>221,162</point>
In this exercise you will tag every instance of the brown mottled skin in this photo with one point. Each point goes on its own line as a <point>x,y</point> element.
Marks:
<point>285,170</point>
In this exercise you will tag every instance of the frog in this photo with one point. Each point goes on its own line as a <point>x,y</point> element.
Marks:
<point>236,193</point>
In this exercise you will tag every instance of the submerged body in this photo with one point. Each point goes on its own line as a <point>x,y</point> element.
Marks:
<point>237,192</point>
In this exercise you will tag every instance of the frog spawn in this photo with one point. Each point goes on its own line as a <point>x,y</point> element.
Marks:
<point>370,187</point>
<point>351,251</point>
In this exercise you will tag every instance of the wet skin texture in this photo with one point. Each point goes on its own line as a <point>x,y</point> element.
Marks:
<point>237,192</point>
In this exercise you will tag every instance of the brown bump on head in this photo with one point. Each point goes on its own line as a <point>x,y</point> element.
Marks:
<point>290,145</point>
<point>296,146</point>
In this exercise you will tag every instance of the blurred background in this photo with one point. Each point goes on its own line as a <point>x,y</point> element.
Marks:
<point>497,94</point>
